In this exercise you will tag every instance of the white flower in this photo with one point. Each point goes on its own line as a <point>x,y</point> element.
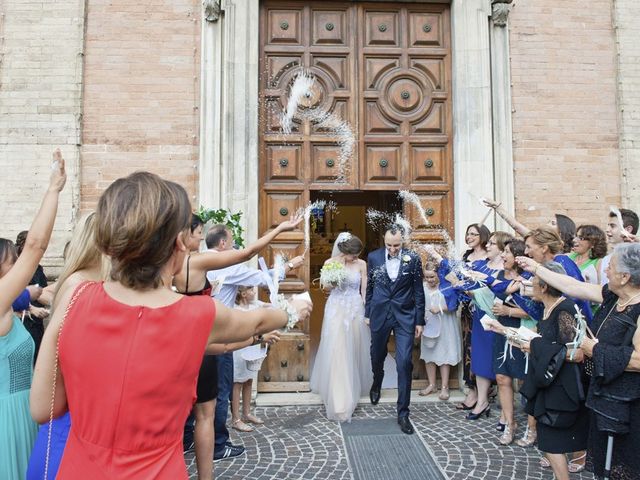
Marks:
<point>406,258</point>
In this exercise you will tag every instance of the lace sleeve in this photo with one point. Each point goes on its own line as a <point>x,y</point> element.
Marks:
<point>566,327</point>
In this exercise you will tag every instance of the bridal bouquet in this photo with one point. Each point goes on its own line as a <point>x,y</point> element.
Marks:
<point>332,275</point>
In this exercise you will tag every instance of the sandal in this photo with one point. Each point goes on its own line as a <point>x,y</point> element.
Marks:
<point>544,462</point>
<point>507,436</point>
<point>575,466</point>
<point>528,439</point>
<point>253,419</point>
<point>444,393</point>
<point>241,426</point>
<point>427,391</point>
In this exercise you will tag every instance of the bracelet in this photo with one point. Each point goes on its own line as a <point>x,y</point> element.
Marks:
<point>292,315</point>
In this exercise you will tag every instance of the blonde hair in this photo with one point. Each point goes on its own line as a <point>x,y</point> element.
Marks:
<point>82,252</point>
<point>547,236</point>
<point>138,220</point>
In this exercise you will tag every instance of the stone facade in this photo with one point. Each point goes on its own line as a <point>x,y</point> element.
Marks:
<point>565,128</point>
<point>141,92</point>
<point>121,87</point>
<point>40,109</point>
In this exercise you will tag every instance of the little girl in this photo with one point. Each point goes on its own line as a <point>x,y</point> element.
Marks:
<point>441,337</point>
<point>242,376</point>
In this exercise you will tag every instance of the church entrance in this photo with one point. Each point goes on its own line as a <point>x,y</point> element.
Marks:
<point>385,69</point>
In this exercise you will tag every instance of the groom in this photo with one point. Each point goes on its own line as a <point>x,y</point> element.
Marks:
<point>394,302</point>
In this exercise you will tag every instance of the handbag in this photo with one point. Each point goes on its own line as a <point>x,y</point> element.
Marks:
<point>77,293</point>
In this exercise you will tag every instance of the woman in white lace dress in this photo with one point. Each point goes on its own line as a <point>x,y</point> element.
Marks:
<point>342,370</point>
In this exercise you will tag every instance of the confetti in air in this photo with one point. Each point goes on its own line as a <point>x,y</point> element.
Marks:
<point>301,88</point>
<point>414,200</point>
<point>317,205</point>
<point>339,129</point>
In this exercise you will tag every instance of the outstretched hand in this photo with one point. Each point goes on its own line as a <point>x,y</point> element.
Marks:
<point>292,223</point>
<point>302,307</point>
<point>58,173</point>
<point>491,203</point>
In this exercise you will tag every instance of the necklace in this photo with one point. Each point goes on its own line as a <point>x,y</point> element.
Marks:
<point>625,304</point>
<point>548,311</point>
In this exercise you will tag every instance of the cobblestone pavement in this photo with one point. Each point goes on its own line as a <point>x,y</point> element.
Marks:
<point>298,442</point>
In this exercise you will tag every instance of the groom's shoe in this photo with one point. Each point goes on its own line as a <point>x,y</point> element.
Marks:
<point>374,395</point>
<point>405,425</point>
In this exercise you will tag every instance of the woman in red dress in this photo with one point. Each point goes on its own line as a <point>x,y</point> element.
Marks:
<point>130,348</point>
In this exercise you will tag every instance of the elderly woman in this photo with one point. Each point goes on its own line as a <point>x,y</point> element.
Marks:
<point>554,392</point>
<point>614,353</point>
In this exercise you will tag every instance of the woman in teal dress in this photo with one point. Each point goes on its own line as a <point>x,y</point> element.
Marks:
<point>18,430</point>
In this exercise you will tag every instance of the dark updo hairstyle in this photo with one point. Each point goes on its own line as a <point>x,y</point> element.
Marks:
<point>516,247</point>
<point>567,230</point>
<point>7,251</point>
<point>196,222</point>
<point>138,220</point>
<point>596,238</point>
<point>350,246</point>
<point>20,240</point>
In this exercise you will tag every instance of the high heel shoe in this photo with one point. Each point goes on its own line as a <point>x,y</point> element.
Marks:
<point>463,406</point>
<point>476,416</point>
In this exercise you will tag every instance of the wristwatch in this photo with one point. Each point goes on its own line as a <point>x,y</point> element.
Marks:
<point>290,265</point>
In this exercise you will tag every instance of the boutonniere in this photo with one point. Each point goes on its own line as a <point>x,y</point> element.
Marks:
<point>406,259</point>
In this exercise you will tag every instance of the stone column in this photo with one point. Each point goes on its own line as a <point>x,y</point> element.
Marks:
<point>472,112</point>
<point>501,109</point>
<point>229,140</point>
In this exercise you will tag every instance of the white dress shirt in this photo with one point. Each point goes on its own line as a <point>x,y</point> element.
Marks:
<point>235,276</point>
<point>392,264</point>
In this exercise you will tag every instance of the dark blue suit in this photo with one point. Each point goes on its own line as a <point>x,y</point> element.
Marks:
<point>396,306</point>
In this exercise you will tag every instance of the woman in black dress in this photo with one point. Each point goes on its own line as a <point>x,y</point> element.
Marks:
<point>553,386</point>
<point>613,360</point>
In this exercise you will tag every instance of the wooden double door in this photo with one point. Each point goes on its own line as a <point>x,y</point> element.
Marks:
<point>386,70</point>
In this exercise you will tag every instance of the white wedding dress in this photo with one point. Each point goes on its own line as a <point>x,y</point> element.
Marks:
<point>342,370</point>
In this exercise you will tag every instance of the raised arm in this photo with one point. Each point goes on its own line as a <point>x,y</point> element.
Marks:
<point>16,279</point>
<point>511,220</point>
<point>216,260</point>
<point>566,284</point>
<point>232,325</point>
<point>42,385</point>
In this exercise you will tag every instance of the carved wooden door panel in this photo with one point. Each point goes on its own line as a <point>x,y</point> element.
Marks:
<point>404,64</point>
<point>318,39</point>
<point>384,68</point>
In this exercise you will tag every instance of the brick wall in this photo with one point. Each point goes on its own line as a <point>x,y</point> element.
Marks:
<point>141,92</point>
<point>627,22</point>
<point>565,133</point>
<point>40,88</point>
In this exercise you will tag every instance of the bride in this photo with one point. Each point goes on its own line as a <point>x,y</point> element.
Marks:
<point>342,370</point>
